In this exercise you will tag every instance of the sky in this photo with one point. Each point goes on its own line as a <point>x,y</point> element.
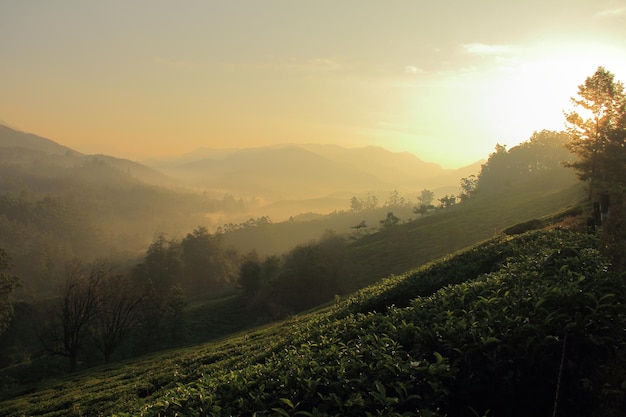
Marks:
<point>445,80</point>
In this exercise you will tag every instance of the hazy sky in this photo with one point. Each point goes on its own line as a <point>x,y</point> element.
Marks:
<point>445,80</point>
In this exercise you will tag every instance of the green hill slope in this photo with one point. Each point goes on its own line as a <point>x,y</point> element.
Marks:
<point>531,323</point>
<point>406,246</point>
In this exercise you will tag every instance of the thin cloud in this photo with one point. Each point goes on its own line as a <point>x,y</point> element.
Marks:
<point>485,49</point>
<point>413,70</point>
<point>611,13</point>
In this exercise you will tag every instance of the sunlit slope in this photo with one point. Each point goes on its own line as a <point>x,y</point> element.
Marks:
<point>408,245</point>
<point>494,340</point>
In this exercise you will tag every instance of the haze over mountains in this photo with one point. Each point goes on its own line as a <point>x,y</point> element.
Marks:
<point>284,179</point>
<point>37,154</point>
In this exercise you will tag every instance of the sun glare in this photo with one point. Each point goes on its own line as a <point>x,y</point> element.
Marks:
<point>533,93</point>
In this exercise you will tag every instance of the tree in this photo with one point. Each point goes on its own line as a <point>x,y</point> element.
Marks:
<point>356,205</point>
<point>426,197</point>
<point>118,302</point>
<point>74,312</point>
<point>8,283</point>
<point>162,265</point>
<point>360,227</point>
<point>545,151</point>
<point>395,200</point>
<point>424,200</point>
<point>250,273</point>
<point>496,171</point>
<point>203,260</point>
<point>596,129</point>
<point>371,202</point>
<point>390,221</point>
<point>312,274</point>
<point>468,187</point>
<point>447,201</point>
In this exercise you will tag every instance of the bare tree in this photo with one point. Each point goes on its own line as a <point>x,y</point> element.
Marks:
<point>74,311</point>
<point>118,301</point>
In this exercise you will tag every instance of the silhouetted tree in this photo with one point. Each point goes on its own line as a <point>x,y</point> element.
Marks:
<point>116,314</point>
<point>544,151</point>
<point>395,200</point>
<point>312,274</point>
<point>250,273</point>
<point>203,260</point>
<point>360,227</point>
<point>495,172</point>
<point>424,200</point>
<point>162,266</point>
<point>74,312</point>
<point>447,201</point>
<point>356,205</point>
<point>468,187</point>
<point>371,202</point>
<point>596,128</point>
<point>426,197</point>
<point>389,221</point>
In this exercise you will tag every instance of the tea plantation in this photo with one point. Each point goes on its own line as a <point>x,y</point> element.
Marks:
<point>528,325</point>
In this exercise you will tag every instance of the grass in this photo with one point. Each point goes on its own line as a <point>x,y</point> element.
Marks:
<point>409,245</point>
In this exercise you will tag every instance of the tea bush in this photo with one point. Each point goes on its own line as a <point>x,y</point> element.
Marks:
<point>518,326</point>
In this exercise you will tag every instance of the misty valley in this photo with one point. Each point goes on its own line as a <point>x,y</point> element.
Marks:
<point>318,280</point>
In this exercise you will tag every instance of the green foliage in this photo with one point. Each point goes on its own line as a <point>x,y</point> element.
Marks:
<point>312,274</point>
<point>544,152</point>
<point>207,264</point>
<point>523,227</point>
<point>597,127</point>
<point>250,273</point>
<point>476,345</point>
<point>489,341</point>
<point>162,265</point>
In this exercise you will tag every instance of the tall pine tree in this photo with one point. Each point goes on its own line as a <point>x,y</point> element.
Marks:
<point>596,127</point>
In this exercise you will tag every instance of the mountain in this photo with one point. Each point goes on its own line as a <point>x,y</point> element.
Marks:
<point>288,172</point>
<point>57,204</point>
<point>43,156</point>
<point>11,138</point>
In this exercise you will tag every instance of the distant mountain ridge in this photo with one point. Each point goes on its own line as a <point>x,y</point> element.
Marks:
<point>270,174</point>
<point>21,148</point>
<point>309,171</point>
<point>13,138</point>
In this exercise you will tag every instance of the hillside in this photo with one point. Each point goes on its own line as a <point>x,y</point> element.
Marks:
<point>510,327</point>
<point>57,204</point>
<point>419,237</point>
